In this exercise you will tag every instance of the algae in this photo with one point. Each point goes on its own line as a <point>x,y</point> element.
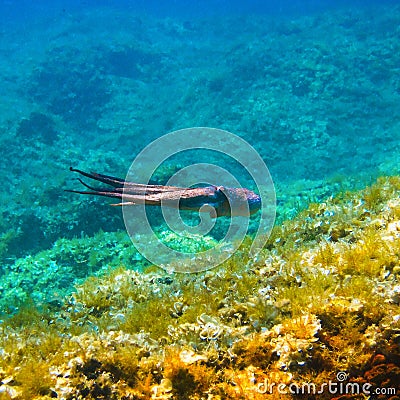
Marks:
<point>310,305</point>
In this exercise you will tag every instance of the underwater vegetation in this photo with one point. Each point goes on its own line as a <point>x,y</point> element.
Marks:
<point>322,297</point>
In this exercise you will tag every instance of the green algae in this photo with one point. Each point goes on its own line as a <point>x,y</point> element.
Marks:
<point>51,274</point>
<point>186,242</point>
<point>311,304</point>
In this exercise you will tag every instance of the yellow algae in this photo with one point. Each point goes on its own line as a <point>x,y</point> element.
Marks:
<point>322,297</point>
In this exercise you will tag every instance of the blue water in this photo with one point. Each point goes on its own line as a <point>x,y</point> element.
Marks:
<point>313,86</point>
<point>25,9</point>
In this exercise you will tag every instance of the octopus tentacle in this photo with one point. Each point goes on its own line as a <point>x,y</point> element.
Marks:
<point>131,193</point>
<point>109,180</point>
<point>129,187</point>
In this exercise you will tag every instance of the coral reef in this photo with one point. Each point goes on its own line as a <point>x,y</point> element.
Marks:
<point>321,299</point>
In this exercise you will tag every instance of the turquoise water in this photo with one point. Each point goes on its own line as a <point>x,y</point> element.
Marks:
<point>314,88</point>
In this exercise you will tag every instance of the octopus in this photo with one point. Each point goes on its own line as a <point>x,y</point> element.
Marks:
<point>218,201</point>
